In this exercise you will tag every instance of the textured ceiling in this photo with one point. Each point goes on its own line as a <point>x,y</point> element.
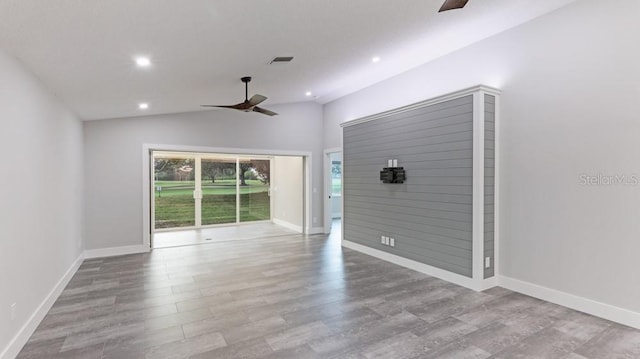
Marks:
<point>83,50</point>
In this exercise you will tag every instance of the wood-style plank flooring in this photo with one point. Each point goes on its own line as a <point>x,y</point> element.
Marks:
<point>302,297</point>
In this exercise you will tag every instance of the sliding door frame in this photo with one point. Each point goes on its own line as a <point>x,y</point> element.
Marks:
<point>148,209</point>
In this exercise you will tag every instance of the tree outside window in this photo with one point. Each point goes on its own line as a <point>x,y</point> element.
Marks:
<point>336,178</point>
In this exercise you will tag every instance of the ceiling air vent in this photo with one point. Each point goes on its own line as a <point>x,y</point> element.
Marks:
<point>281,59</point>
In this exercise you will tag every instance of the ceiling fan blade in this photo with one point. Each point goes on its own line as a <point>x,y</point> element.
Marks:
<point>256,99</point>
<point>240,106</point>
<point>248,105</point>
<point>453,4</point>
<point>264,111</point>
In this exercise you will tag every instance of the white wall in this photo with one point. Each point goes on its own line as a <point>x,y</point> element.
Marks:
<point>571,84</point>
<point>287,191</point>
<point>113,158</point>
<point>40,198</point>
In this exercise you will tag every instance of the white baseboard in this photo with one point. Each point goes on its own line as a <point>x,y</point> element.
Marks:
<point>589,306</point>
<point>423,268</point>
<point>288,225</point>
<point>315,230</point>
<point>16,344</point>
<point>115,251</point>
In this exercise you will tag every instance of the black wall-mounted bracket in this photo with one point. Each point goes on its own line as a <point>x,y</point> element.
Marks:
<point>393,175</point>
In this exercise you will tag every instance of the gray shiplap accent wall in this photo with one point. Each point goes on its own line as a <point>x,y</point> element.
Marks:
<point>489,181</point>
<point>430,215</point>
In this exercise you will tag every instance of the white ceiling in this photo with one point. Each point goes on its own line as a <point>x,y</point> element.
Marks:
<point>83,50</point>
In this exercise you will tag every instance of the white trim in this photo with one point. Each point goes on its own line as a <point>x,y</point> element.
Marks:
<point>308,193</point>
<point>272,164</point>
<point>589,306</point>
<point>477,267</point>
<point>288,225</point>
<point>187,228</point>
<point>342,220</point>
<point>421,267</point>
<point>327,215</point>
<point>238,204</point>
<point>115,251</point>
<point>224,150</point>
<point>429,102</point>
<point>197,190</point>
<point>496,189</point>
<point>20,339</point>
<point>148,204</point>
<point>147,148</point>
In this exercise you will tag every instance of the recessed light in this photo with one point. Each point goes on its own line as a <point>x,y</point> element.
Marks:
<point>143,61</point>
<point>375,59</point>
<point>143,106</point>
<point>308,93</point>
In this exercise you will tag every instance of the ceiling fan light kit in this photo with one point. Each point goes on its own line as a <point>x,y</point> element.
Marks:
<point>249,105</point>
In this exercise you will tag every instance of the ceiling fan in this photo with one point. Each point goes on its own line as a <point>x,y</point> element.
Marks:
<point>453,4</point>
<point>248,105</point>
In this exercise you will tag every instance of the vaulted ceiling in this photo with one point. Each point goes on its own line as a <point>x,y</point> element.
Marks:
<point>84,50</point>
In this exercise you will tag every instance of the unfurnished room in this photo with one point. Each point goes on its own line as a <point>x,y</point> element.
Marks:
<point>319,179</point>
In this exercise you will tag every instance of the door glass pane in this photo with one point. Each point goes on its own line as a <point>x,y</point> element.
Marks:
<point>255,202</point>
<point>173,190</point>
<point>336,178</point>
<point>218,190</point>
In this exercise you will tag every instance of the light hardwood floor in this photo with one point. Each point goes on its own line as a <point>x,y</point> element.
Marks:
<point>302,297</point>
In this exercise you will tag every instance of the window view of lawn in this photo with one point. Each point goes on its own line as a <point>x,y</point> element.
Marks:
<point>175,206</point>
<point>336,177</point>
<point>175,183</point>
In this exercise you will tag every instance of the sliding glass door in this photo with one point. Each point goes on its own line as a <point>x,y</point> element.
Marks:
<point>219,190</point>
<point>200,189</point>
<point>255,202</point>
<point>174,184</point>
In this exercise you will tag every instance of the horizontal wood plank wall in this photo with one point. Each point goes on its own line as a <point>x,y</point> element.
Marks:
<point>430,215</point>
<point>489,181</point>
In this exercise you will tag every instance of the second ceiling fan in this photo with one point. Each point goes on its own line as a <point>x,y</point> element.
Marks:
<point>251,105</point>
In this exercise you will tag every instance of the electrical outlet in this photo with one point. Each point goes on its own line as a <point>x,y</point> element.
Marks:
<point>315,219</point>
<point>13,311</point>
<point>487,262</point>
<point>392,242</point>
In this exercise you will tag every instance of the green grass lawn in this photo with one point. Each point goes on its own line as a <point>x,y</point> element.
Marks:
<point>182,188</point>
<point>336,183</point>
<point>175,206</point>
